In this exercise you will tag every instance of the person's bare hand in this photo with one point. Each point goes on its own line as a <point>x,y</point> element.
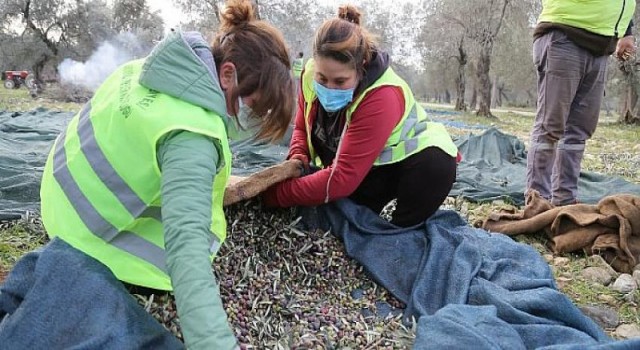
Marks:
<point>626,48</point>
<point>303,159</point>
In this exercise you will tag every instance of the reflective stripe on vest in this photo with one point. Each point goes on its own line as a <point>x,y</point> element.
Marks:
<point>99,226</point>
<point>101,185</point>
<point>407,145</point>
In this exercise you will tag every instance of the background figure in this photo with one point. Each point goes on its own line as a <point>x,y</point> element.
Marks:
<point>296,67</point>
<point>570,51</point>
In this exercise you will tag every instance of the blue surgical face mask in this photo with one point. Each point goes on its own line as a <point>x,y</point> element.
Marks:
<point>333,99</point>
<point>242,126</point>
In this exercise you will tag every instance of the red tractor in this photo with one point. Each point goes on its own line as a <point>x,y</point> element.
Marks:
<point>13,79</point>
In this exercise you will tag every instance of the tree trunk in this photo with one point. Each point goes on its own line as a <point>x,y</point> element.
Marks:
<point>531,99</point>
<point>494,92</point>
<point>447,96</point>
<point>606,105</point>
<point>38,68</point>
<point>629,106</point>
<point>484,82</point>
<point>42,34</point>
<point>485,38</point>
<point>460,78</point>
<point>460,90</point>
<point>502,93</point>
<point>499,92</point>
<point>473,103</point>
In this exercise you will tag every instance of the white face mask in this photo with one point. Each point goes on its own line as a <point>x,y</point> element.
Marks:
<point>242,126</point>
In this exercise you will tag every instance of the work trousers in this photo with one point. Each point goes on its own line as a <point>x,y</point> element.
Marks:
<point>570,90</point>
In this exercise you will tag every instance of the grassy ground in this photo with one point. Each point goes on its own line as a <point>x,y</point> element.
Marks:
<point>28,235</point>
<point>20,100</point>
<point>16,240</point>
<point>614,150</point>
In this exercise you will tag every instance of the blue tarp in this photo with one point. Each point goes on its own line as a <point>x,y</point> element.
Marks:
<point>468,288</point>
<point>25,140</point>
<point>60,298</point>
<point>27,137</point>
<point>448,118</point>
<point>494,166</point>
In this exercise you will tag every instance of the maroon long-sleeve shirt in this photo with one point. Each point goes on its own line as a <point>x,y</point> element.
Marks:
<point>371,125</point>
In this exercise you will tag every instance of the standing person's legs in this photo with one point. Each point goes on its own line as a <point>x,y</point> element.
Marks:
<point>581,124</point>
<point>424,181</point>
<point>559,66</point>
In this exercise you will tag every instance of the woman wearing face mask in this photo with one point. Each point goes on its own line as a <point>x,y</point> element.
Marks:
<point>359,122</point>
<point>137,179</point>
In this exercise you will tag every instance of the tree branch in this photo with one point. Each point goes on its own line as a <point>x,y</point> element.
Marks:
<point>504,10</point>
<point>43,36</point>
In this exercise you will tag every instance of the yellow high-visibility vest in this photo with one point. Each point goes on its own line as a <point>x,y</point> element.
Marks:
<point>101,184</point>
<point>604,17</point>
<point>413,133</point>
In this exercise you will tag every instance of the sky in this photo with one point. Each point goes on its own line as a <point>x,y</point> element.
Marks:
<point>168,11</point>
<point>171,14</point>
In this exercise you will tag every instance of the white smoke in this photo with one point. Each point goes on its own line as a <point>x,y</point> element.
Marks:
<point>109,55</point>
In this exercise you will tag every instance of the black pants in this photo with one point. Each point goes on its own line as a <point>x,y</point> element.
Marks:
<point>420,183</point>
